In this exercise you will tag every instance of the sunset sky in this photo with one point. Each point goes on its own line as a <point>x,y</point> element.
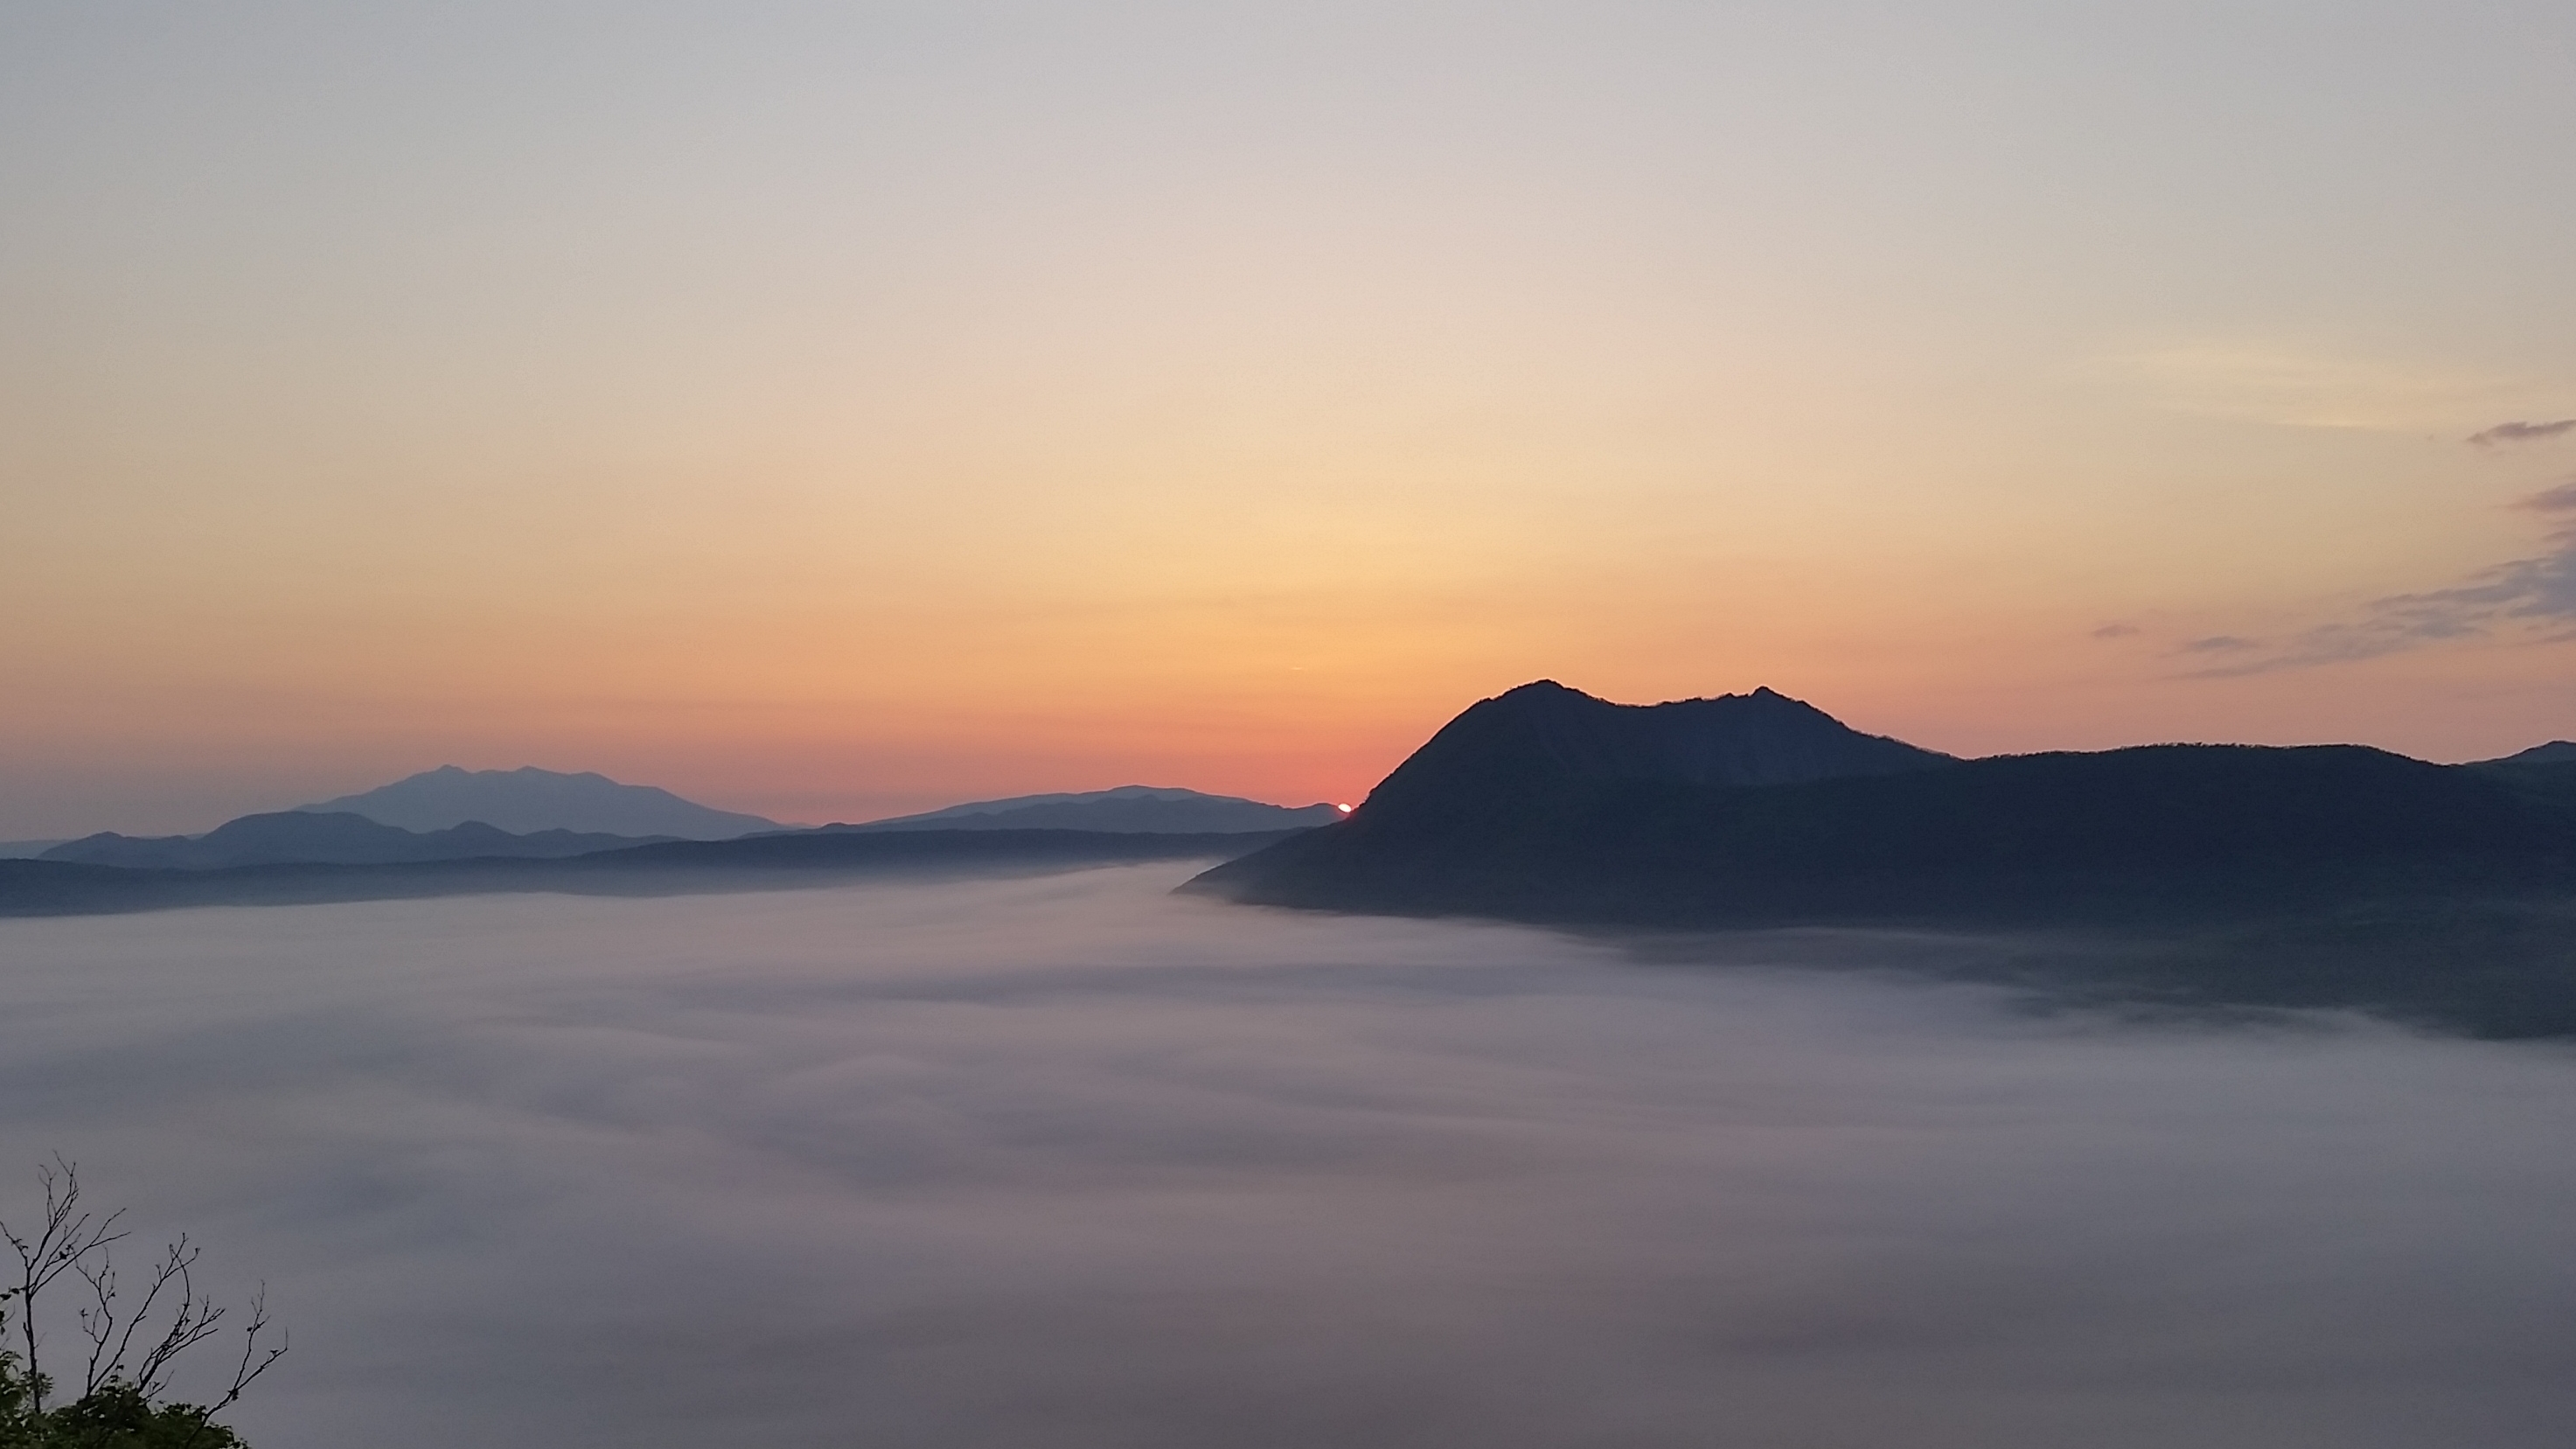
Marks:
<point>835,410</point>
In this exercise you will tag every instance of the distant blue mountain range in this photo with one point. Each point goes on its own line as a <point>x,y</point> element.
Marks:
<point>2175,875</point>
<point>305,837</point>
<point>526,800</point>
<point>1128,809</point>
<point>543,815</point>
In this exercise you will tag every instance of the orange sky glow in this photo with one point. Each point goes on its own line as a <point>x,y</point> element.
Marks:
<point>838,416</point>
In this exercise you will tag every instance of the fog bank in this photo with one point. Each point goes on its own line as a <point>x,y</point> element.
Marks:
<point>1069,1162</point>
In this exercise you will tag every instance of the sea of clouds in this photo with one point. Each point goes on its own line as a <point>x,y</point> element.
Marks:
<point>1071,1162</point>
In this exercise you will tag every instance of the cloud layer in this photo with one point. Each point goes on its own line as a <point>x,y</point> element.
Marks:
<point>1071,1163</point>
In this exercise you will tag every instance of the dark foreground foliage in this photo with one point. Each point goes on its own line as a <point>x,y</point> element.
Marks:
<point>128,1338</point>
<point>116,1416</point>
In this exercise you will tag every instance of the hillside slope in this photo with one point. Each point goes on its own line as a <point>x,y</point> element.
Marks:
<point>313,838</point>
<point>528,800</point>
<point>1126,809</point>
<point>2225,874</point>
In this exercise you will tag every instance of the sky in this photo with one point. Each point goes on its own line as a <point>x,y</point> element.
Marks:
<point>1070,1162</point>
<point>828,411</point>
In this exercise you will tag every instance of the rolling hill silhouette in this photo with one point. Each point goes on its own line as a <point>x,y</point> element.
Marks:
<point>315,838</point>
<point>2556,752</point>
<point>1126,809</point>
<point>1756,811</point>
<point>528,800</point>
<point>781,861</point>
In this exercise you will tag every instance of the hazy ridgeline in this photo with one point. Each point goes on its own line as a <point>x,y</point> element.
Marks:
<point>1069,1162</point>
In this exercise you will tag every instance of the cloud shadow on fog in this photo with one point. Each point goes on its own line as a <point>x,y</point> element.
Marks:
<point>1069,1162</point>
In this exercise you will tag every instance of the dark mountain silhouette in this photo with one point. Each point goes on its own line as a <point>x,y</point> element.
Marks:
<point>1128,808</point>
<point>2556,752</point>
<point>529,800</point>
<point>1510,812</point>
<point>759,862</point>
<point>1544,736</point>
<point>306,837</point>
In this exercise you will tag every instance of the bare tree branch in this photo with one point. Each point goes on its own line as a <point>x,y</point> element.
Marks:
<point>253,1363</point>
<point>115,1382</point>
<point>67,1237</point>
<point>191,1322</point>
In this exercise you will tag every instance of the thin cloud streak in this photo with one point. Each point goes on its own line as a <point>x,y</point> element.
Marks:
<point>2561,499</point>
<point>1071,1163</point>
<point>2534,597</point>
<point>2519,432</point>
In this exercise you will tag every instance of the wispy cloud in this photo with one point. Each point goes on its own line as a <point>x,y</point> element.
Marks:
<point>2561,499</point>
<point>2520,432</point>
<point>2115,631</point>
<point>2532,597</point>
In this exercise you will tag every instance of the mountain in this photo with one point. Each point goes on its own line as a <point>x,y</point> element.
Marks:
<point>787,860</point>
<point>1126,809</point>
<point>528,800</point>
<point>1543,738</point>
<point>25,849</point>
<point>1545,803</point>
<point>314,837</point>
<point>2325,875</point>
<point>2556,752</point>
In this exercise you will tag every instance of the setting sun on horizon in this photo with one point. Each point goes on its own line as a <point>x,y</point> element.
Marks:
<point>977,724</point>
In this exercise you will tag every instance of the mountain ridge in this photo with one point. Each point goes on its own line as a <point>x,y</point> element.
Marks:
<point>308,837</point>
<point>1124,809</point>
<point>2556,752</point>
<point>787,860</point>
<point>1543,737</point>
<point>1543,801</point>
<point>2328,875</point>
<point>528,800</point>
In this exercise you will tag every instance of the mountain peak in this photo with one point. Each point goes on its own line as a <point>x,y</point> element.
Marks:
<point>530,799</point>
<point>1122,810</point>
<point>1543,735</point>
<point>1544,691</point>
<point>2556,752</point>
<point>334,837</point>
